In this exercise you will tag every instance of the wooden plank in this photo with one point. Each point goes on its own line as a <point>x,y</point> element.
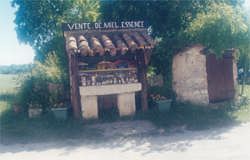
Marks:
<point>107,70</point>
<point>220,78</point>
<point>96,59</point>
<point>109,89</point>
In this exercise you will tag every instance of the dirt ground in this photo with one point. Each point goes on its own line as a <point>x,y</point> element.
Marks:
<point>139,140</point>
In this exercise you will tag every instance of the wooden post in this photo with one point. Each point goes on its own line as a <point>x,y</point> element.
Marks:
<point>74,85</point>
<point>142,75</point>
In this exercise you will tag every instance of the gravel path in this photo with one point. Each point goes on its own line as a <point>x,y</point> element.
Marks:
<point>139,140</point>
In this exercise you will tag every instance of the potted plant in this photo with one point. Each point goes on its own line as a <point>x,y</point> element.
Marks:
<point>57,101</point>
<point>162,103</point>
<point>34,110</point>
<point>160,97</point>
<point>60,111</point>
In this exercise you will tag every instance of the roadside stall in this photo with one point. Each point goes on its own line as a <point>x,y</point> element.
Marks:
<point>107,58</point>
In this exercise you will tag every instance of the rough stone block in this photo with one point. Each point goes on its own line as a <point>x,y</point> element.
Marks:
<point>89,107</point>
<point>126,104</point>
<point>189,75</point>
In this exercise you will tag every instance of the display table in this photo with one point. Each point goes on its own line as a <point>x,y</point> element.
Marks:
<point>125,98</point>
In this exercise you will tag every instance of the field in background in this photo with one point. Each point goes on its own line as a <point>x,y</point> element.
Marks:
<point>8,87</point>
<point>8,83</point>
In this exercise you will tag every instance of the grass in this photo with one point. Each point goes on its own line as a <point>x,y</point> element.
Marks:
<point>20,129</point>
<point>202,117</point>
<point>243,113</point>
<point>17,127</point>
<point>191,116</point>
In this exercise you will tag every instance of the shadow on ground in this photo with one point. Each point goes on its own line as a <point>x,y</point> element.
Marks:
<point>146,132</point>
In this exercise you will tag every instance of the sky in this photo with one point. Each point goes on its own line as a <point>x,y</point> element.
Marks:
<point>11,50</point>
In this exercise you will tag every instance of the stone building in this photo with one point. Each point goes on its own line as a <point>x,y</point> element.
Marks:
<point>202,79</point>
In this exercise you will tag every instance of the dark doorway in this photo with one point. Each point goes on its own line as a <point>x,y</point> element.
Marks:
<point>107,107</point>
<point>220,78</point>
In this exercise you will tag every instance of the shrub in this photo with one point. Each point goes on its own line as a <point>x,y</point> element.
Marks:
<point>49,70</point>
<point>33,93</point>
<point>35,90</point>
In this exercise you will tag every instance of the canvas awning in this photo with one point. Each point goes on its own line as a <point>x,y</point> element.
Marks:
<point>101,42</point>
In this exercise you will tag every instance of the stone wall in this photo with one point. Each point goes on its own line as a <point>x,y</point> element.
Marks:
<point>125,98</point>
<point>235,72</point>
<point>190,76</point>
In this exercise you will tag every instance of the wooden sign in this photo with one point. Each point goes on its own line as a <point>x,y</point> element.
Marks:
<point>104,25</point>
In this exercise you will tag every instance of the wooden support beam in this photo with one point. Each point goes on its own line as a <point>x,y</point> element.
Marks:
<point>74,85</point>
<point>92,60</point>
<point>142,76</point>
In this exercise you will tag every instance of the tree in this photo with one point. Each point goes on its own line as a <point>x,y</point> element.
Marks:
<point>39,22</point>
<point>244,58</point>
<point>174,23</point>
<point>169,19</point>
<point>221,27</point>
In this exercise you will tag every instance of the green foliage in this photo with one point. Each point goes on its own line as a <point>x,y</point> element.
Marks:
<point>244,59</point>
<point>168,19</point>
<point>34,91</point>
<point>50,69</point>
<point>218,24</point>
<point>220,27</point>
<point>56,96</point>
<point>39,23</point>
<point>202,117</point>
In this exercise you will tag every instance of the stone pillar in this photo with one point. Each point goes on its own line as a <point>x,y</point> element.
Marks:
<point>89,107</point>
<point>126,104</point>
